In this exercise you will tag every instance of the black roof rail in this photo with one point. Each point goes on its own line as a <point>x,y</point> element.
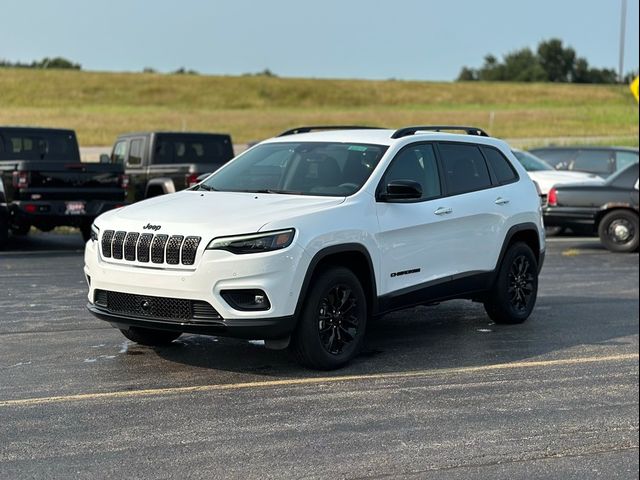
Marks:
<point>403,132</point>
<point>310,128</point>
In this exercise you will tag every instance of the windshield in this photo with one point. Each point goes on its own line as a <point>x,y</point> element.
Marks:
<point>309,168</point>
<point>38,145</point>
<point>530,162</point>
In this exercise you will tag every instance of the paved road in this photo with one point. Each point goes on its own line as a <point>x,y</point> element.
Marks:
<point>439,392</point>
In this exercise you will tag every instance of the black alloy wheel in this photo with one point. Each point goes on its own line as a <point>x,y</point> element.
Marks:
<point>333,320</point>
<point>514,292</point>
<point>520,283</point>
<point>338,322</point>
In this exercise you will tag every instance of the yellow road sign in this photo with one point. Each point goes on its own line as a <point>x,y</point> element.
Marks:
<point>634,88</point>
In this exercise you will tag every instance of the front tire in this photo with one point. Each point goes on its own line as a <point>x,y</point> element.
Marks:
<point>618,231</point>
<point>331,328</point>
<point>513,296</point>
<point>149,337</point>
<point>4,233</point>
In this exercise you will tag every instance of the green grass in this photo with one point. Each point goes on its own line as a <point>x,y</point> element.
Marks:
<point>99,106</point>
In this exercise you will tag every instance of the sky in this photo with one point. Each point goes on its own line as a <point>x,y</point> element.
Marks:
<point>401,39</point>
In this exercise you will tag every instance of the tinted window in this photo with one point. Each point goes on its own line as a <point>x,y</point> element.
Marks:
<point>593,161</point>
<point>624,159</point>
<point>416,163</point>
<point>194,149</point>
<point>119,152</point>
<point>465,168</point>
<point>501,167</point>
<point>40,145</point>
<point>306,168</point>
<point>135,152</point>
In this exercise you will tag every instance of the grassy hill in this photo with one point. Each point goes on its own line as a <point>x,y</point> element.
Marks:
<point>101,105</point>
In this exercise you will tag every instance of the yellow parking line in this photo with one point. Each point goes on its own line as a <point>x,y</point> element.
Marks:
<point>308,381</point>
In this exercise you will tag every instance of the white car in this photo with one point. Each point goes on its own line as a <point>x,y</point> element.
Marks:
<point>546,176</point>
<point>303,238</point>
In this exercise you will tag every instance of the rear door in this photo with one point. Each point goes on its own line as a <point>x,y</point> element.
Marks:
<point>478,210</point>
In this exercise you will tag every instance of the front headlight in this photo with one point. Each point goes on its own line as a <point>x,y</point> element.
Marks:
<point>254,243</point>
<point>95,232</point>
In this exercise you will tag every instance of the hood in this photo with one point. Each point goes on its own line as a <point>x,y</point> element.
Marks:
<point>210,214</point>
<point>548,178</point>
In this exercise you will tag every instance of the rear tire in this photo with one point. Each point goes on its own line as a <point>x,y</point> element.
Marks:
<point>21,229</point>
<point>513,295</point>
<point>331,328</point>
<point>4,233</point>
<point>619,232</point>
<point>149,337</point>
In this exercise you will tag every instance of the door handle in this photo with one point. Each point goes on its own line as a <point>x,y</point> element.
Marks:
<point>443,211</point>
<point>501,201</point>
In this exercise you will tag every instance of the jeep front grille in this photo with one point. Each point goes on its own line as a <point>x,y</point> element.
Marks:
<point>146,306</point>
<point>145,247</point>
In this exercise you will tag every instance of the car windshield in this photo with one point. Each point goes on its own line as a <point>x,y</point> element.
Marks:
<point>530,162</point>
<point>303,168</point>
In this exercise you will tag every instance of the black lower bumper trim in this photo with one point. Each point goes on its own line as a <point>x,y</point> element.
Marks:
<point>263,328</point>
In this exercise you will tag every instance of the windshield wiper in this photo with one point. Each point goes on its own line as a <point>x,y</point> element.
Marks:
<point>205,187</point>
<point>272,190</point>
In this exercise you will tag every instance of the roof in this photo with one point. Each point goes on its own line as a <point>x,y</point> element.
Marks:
<point>26,127</point>
<point>168,132</point>
<point>379,137</point>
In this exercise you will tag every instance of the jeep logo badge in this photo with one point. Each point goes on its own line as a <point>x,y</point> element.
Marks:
<point>148,226</point>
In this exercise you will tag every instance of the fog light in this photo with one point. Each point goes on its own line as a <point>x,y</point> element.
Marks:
<point>246,300</point>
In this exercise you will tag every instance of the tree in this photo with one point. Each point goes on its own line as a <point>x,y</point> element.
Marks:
<point>523,66</point>
<point>467,74</point>
<point>556,61</point>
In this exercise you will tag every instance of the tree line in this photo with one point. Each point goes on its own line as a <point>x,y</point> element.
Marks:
<point>56,62</point>
<point>551,62</point>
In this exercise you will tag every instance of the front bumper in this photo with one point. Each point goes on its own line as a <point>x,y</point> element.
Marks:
<point>257,328</point>
<point>279,274</point>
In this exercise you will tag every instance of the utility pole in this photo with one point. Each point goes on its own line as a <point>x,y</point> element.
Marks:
<point>623,22</point>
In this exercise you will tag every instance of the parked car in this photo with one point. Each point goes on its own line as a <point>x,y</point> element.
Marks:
<point>546,176</point>
<point>44,183</point>
<point>4,218</point>
<point>611,209</point>
<point>602,161</point>
<point>303,238</point>
<point>166,162</point>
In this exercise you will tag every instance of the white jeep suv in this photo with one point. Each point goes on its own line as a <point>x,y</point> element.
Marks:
<point>304,237</point>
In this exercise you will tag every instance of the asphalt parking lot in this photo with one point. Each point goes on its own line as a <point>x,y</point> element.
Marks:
<point>439,392</point>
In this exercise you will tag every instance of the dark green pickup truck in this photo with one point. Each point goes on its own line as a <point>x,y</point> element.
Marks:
<point>157,163</point>
<point>44,184</point>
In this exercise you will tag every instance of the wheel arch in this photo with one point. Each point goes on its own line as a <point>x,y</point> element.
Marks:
<point>523,232</point>
<point>353,256</point>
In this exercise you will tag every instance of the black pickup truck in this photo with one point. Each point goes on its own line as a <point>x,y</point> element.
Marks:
<point>44,184</point>
<point>165,162</point>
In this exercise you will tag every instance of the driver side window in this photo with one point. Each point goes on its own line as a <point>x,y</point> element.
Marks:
<point>416,163</point>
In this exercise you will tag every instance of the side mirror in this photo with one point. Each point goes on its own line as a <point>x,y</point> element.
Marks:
<point>104,158</point>
<point>401,190</point>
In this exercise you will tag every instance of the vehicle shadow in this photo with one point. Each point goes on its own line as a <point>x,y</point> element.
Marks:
<point>44,242</point>
<point>452,335</point>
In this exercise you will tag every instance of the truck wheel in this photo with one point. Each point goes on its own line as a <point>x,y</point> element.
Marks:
<point>333,321</point>
<point>618,231</point>
<point>4,233</point>
<point>147,336</point>
<point>513,295</point>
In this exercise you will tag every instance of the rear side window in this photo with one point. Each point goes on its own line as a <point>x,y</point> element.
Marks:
<point>417,163</point>
<point>501,167</point>
<point>135,152</point>
<point>464,168</point>
<point>191,149</point>
<point>624,159</point>
<point>593,161</point>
